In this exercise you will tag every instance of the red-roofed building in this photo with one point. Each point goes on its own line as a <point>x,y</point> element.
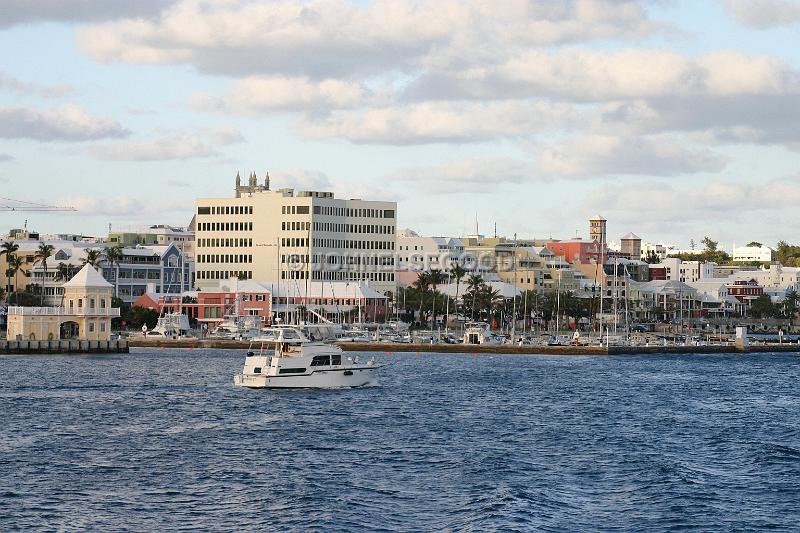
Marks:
<point>576,250</point>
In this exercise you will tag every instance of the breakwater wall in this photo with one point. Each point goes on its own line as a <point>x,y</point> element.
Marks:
<point>486,349</point>
<point>63,346</point>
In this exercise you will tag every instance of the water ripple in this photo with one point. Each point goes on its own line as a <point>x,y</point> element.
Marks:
<point>161,440</point>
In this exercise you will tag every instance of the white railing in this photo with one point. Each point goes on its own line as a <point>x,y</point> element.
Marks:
<point>63,311</point>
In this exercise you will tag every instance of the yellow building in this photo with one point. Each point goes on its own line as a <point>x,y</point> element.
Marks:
<point>86,314</point>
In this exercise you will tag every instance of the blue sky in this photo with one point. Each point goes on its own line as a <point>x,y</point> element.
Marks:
<point>673,119</point>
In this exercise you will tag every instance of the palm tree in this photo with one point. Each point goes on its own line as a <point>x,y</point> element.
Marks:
<point>474,282</point>
<point>64,272</point>
<point>436,277</point>
<point>114,256</point>
<point>92,257</point>
<point>42,255</point>
<point>422,284</point>
<point>14,265</point>
<point>458,273</point>
<point>8,248</point>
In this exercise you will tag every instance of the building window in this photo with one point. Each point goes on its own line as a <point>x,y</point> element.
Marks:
<point>203,210</point>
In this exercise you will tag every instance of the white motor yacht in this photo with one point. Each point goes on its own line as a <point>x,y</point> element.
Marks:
<point>286,358</point>
<point>354,335</point>
<point>480,333</point>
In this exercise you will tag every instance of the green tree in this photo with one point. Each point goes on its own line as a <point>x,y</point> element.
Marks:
<point>92,257</point>
<point>8,249</point>
<point>44,253</point>
<point>435,277</point>
<point>787,254</point>
<point>755,244</point>
<point>791,303</point>
<point>458,273</point>
<point>137,316</point>
<point>652,257</point>
<point>710,253</point>
<point>64,272</point>
<point>114,255</point>
<point>14,266</point>
<point>709,245</point>
<point>762,307</point>
<point>422,285</point>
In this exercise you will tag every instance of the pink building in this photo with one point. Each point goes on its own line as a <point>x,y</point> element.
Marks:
<point>211,306</point>
<point>576,250</point>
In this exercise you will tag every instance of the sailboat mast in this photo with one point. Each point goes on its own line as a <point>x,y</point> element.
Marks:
<point>514,301</point>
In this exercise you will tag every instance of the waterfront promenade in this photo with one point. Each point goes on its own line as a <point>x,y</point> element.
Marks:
<point>139,342</point>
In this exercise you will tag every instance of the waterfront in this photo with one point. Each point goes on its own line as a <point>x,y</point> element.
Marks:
<point>160,439</point>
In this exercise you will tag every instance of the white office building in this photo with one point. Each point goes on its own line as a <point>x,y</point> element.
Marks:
<point>760,254</point>
<point>421,254</point>
<point>686,271</point>
<point>270,235</point>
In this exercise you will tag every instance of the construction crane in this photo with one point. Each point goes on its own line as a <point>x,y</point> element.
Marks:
<point>9,204</point>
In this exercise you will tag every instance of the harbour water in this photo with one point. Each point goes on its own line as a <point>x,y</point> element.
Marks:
<point>162,440</point>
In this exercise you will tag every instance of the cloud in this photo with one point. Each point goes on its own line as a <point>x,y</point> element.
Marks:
<point>283,93</point>
<point>472,175</point>
<point>335,38</point>
<point>10,83</point>
<point>602,155</point>
<point>434,122</point>
<point>663,203</point>
<point>126,207</point>
<point>764,14</point>
<point>5,158</point>
<point>301,179</point>
<point>33,11</point>
<point>168,147</point>
<point>741,119</point>
<point>68,123</point>
<point>596,76</point>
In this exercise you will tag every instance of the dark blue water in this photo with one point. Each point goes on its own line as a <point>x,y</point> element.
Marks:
<point>161,440</point>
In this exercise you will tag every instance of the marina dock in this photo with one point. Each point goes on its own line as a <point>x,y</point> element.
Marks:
<point>72,346</point>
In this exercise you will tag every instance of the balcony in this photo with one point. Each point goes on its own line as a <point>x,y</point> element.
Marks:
<point>63,311</point>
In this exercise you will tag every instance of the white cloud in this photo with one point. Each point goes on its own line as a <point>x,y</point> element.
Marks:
<point>748,119</point>
<point>335,38</point>
<point>661,202</point>
<point>301,179</point>
<point>167,147</point>
<point>126,207</point>
<point>473,175</point>
<point>596,76</point>
<point>10,83</point>
<point>283,93</point>
<point>32,11</point>
<point>432,122</point>
<point>67,123</point>
<point>764,14</point>
<point>5,158</point>
<point>602,155</point>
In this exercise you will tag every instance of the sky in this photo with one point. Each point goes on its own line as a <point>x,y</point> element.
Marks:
<point>674,119</point>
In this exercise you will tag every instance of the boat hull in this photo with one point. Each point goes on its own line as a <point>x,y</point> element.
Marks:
<point>320,379</point>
